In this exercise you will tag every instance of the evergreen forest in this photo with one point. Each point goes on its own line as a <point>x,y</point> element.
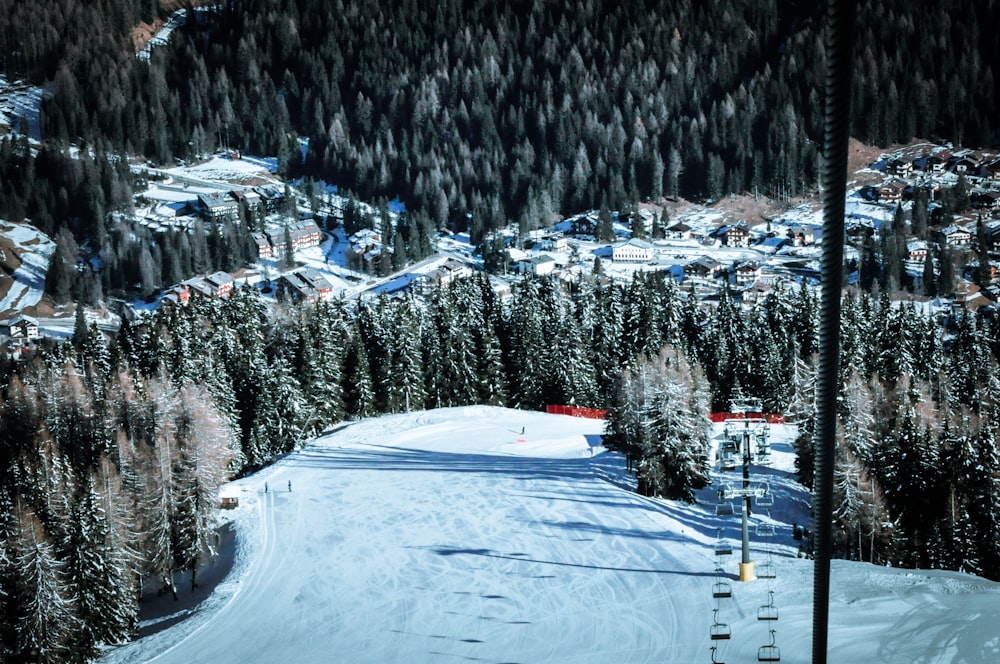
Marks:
<point>112,451</point>
<point>475,114</point>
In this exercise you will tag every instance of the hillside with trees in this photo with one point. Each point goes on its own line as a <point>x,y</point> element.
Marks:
<point>147,426</point>
<point>516,110</point>
<point>474,113</point>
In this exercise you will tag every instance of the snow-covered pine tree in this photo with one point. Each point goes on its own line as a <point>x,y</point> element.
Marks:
<point>97,580</point>
<point>203,456</point>
<point>406,387</point>
<point>44,619</point>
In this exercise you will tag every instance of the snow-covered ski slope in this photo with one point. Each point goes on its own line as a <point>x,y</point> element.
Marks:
<point>449,535</point>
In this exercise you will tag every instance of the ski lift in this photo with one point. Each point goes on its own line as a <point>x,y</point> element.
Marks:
<point>721,631</point>
<point>766,499</point>
<point>727,460</point>
<point>714,660</point>
<point>770,652</point>
<point>722,589</point>
<point>768,611</point>
<point>724,509</point>
<point>723,548</point>
<point>765,530</point>
<point>765,571</point>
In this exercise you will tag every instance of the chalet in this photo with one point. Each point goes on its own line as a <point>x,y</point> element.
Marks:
<point>916,250</point>
<point>756,293</point>
<point>737,235</point>
<point>678,231</point>
<point>992,171</point>
<point>704,267</point>
<point>217,207</point>
<point>858,233</point>
<point>970,164</point>
<point>554,242</point>
<point>802,235</point>
<point>937,162</point>
<point>453,269</point>
<point>220,284</point>
<point>632,251</point>
<point>198,286</point>
<point>229,497</point>
<point>24,327</point>
<point>536,265</point>
<point>891,191</point>
<point>585,224</point>
<point>968,296</point>
<point>365,241</point>
<point>986,200</point>
<point>746,273</point>
<point>954,235</point>
<point>899,167</point>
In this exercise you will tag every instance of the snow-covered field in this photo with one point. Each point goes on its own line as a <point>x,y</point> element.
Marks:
<point>449,535</point>
<point>35,250</point>
<point>19,99</point>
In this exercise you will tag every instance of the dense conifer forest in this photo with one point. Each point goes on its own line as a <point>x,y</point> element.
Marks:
<point>475,114</point>
<point>483,112</point>
<point>112,452</point>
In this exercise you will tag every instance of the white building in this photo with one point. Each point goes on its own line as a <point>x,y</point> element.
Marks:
<point>634,251</point>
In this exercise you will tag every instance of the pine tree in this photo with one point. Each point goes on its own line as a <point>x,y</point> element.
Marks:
<point>45,620</point>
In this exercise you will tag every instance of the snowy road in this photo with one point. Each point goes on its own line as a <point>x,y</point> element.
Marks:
<point>451,536</point>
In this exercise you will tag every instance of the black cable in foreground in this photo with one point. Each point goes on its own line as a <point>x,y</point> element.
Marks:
<point>836,120</point>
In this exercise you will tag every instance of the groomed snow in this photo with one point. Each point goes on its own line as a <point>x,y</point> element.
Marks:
<point>449,535</point>
<point>35,250</point>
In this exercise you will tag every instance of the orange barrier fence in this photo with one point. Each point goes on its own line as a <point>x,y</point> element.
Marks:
<point>772,418</point>
<point>577,411</point>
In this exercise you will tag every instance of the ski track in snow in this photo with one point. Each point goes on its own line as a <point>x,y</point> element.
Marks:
<point>449,536</point>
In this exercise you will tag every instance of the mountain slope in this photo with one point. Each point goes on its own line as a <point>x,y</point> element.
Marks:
<point>449,534</point>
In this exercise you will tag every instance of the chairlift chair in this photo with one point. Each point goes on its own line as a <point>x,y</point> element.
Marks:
<point>724,509</point>
<point>770,652</point>
<point>722,589</point>
<point>768,611</point>
<point>765,571</point>
<point>765,530</point>
<point>720,631</point>
<point>714,660</point>
<point>765,500</point>
<point>727,461</point>
<point>723,548</point>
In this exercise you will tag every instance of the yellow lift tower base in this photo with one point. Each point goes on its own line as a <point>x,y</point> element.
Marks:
<point>746,572</point>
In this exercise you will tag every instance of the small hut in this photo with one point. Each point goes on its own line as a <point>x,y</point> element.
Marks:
<point>229,497</point>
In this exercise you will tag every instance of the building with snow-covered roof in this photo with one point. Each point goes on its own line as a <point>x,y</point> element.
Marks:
<point>632,251</point>
<point>535,265</point>
<point>678,231</point>
<point>219,283</point>
<point>954,235</point>
<point>737,235</point>
<point>24,327</point>
<point>217,206</point>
